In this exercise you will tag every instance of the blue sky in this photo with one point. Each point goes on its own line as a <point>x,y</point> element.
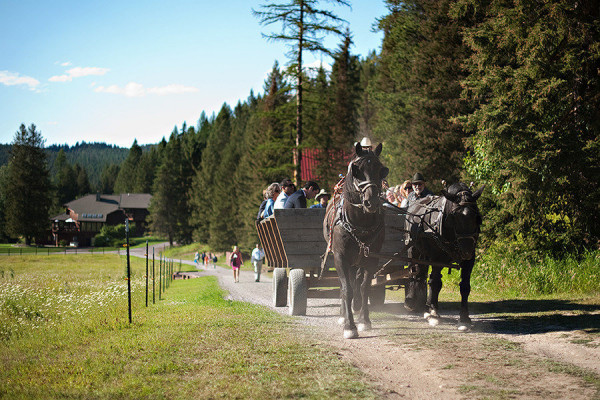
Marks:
<point>115,71</point>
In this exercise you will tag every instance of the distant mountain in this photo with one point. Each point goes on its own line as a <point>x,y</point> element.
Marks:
<point>91,156</point>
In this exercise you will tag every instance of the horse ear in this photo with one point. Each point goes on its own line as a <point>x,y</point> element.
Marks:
<point>378,149</point>
<point>478,192</point>
<point>452,197</point>
<point>384,172</point>
<point>358,149</point>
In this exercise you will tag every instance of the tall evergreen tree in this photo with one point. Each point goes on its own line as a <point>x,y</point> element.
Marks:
<point>302,24</point>
<point>3,176</point>
<point>108,178</point>
<point>65,180</point>
<point>128,172</point>
<point>28,188</point>
<point>83,182</point>
<point>536,142</point>
<point>422,66</point>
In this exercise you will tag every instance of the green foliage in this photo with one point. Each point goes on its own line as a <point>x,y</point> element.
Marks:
<point>514,268</point>
<point>93,157</point>
<point>64,332</point>
<point>535,139</point>
<point>112,236</point>
<point>28,190</point>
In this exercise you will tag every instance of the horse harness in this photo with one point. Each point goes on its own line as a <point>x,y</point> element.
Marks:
<point>434,227</point>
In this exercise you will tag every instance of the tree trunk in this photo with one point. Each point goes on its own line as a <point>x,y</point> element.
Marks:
<point>297,149</point>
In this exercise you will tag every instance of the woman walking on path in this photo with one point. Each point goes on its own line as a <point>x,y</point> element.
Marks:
<point>236,263</point>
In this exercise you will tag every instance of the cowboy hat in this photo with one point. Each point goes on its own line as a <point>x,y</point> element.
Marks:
<point>366,142</point>
<point>418,178</point>
<point>321,194</point>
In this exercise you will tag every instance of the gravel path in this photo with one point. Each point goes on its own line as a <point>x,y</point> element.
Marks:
<point>399,361</point>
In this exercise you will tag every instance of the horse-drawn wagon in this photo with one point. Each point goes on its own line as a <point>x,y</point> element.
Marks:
<point>437,231</point>
<point>293,243</point>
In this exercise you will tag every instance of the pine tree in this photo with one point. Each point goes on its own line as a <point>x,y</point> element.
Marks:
<point>65,180</point>
<point>126,180</point>
<point>534,71</point>
<point>28,189</point>
<point>302,23</point>
<point>108,178</point>
<point>83,182</point>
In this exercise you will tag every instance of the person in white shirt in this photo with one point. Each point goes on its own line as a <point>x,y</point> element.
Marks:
<point>287,188</point>
<point>257,261</point>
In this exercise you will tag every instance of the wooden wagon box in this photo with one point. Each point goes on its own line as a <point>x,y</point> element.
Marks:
<point>293,242</point>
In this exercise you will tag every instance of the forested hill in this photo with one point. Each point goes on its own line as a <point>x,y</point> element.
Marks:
<point>94,157</point>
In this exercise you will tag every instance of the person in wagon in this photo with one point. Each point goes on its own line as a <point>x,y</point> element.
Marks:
<point>272,192</point>
<point>287,188</point>
<point>420,191</point>
<point>298,199</point>
<point>322,199</point>
<point>366,144</point>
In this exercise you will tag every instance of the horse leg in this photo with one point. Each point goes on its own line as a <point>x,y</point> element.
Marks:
<point>416,289</point>
<point>357,291</point>
<point>350,331</point>
<point>435,286</point>
<point>364,322</point>
<point>466,267</point>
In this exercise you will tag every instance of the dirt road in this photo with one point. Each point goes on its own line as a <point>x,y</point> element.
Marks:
<point>516,349</point>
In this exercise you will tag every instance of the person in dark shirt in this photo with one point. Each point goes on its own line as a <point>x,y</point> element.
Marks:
<point>261,209</point>
<point>298,199</point>
<point>419,189</point>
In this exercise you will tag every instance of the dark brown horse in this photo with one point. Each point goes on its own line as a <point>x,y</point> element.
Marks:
<point>443,229</point>
<point>355,226</point>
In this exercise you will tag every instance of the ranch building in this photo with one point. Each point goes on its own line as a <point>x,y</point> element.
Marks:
<point>84,217</point>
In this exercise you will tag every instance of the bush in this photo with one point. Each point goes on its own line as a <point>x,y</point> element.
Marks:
<point>111,235</point>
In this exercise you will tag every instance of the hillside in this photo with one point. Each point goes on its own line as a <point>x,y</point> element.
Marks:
<point>91,156</point>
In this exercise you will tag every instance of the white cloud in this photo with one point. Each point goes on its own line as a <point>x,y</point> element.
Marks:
<point>66,64</point>
<point>78,72</point>
<point>60,78</point>
<point>134,89</point>
<point>13,78</point>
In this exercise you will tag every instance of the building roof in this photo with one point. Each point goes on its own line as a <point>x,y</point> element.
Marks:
<point>95,207</point>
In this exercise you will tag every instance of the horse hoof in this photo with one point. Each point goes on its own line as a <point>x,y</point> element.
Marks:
<point>426,315</point>
<point>341,321</point>
<point>350,333</point>
<point>463,327</point>
<point>364,327</point>
<point>433,321</point>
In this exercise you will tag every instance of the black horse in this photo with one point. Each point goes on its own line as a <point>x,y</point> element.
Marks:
<point>443,229</point>
<point>355,226</point>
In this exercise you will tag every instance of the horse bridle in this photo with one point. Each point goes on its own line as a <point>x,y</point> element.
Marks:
<point>361,186</point>
<point>462,204</point>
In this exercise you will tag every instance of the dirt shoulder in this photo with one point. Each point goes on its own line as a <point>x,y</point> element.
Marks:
<point>548,352</point>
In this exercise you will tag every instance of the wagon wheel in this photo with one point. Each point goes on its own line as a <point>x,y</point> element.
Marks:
<point>279,287</point>
<point>377,293</point>
<point>297,292</point>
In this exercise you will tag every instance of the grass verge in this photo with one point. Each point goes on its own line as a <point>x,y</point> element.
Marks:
<point>65,334</point>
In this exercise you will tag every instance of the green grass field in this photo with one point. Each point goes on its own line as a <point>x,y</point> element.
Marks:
<point>64,333</point>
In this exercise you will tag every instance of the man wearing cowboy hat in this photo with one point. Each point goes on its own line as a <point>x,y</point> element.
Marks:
<point>322,199</point>
<point>419,189</point>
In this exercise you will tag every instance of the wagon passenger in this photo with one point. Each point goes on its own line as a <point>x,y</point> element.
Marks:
<point>261,209</point>
<point>419,189</point>
<point>322,199</point>
<point>298,199</point>
<point>272,192</point>
<point>287,188</point>
<point>405,190</point>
